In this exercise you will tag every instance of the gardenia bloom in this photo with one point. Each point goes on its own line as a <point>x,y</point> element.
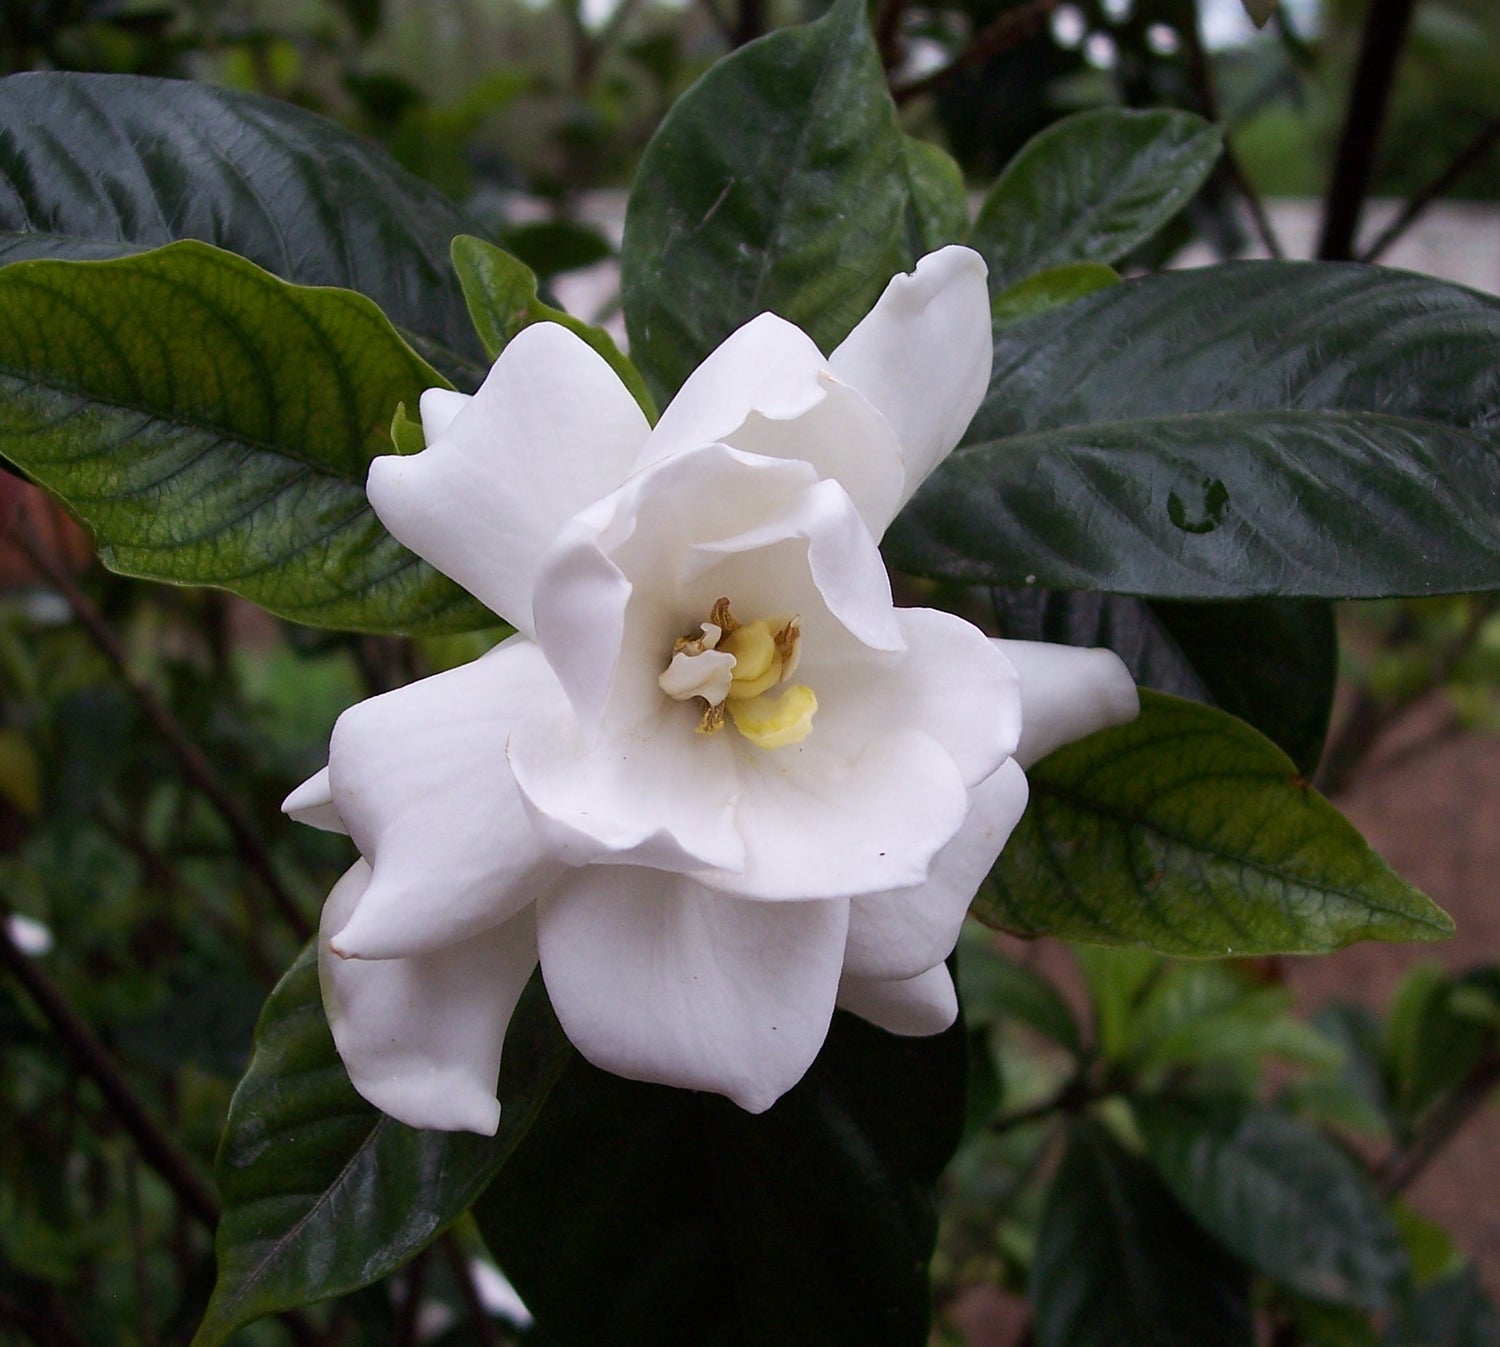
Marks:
<point>716,783</point>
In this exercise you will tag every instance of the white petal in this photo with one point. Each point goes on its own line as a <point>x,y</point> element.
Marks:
<point>551,430</point>
<point>1066,693</point>
<point>902,933</point>
<point>438,407</point>
<point>914,1008</point>
<point>819,826</point>
<point>767,389</point>
<point>645,565</point>
<point>844,438</point>
<point>661,795</point>
<point>657,979</point>
<point>312,803</point>
<point>421,1037</point>
<point>768,366</point>
<point>950,681</point>
<point>922,356</point>
<point>420,776</point>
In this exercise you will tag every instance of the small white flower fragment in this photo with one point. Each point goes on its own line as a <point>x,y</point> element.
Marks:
<point>717,784</point>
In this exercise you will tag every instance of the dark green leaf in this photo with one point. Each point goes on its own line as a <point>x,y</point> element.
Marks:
<point>1090,188</point>
<point>1120,1264</point>
<point>637,1215</point>
<point>1256,1025</point>
<point>993,987</point>
<point>1188,832</point>
<point>1214,1014</point>
<point>1227,433</point>
<point>1050,288</point>
<point>1455,1312</point>
<point>214,426</point>
<point>1218,505</point>
<point>1430,1048</point>
<point>1357,1098</point>
<point>1272,662</point>
<point>502,298</point>
<point>322,1193</point>
<point>94,166</point>
<point>552,246</point>
<point>777,182</point>
<point>939,203</point>
<point>1282,1197</point>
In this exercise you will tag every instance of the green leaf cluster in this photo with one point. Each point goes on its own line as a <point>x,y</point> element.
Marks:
<point>1184,1205</point>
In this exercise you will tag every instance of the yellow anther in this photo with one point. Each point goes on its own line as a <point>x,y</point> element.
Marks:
<point>731,667</point>
<point>753,648</point>
<point>775,722</point>
<point>757,661</point>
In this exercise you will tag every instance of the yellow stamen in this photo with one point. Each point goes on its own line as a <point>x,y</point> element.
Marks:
<point>775,722</point>
<point>732,666</point>
<point>757,663</point>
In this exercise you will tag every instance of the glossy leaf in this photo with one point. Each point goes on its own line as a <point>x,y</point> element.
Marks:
<point>501,292</point>
<point>939,202</point>
<point>1272,662</point>
<point>1090,188</point>
<point>637,1215</point>
<point>1120,1264</point>
<point>1050,288</point>
<point>324,1194</point>
<point>213,425</point>
<point>1188,832</point>
<point>1282,1197</point>
<point>1229,433</point>
<point>776,183</point>
<point>95,166</point>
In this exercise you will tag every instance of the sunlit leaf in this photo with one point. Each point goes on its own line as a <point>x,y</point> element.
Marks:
<point>1187,832</point>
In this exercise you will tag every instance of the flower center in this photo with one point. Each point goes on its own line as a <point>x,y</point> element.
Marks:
<point>740,670</point>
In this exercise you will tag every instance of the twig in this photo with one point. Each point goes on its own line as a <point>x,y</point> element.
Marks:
<point>1354,163</point>
<point>1467,158</point>
<point>1009,30</point>
<point>1071,1097</point>
<point>718,19</point>
<point>145,1321</point>
<point>93,1059</point>
<point>190,759</point>
<point>1200,73</point>
<point>1408,1162</point>
<point>1369,717</point>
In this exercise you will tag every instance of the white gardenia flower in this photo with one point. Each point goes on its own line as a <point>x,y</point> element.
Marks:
<point>716,783</point>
